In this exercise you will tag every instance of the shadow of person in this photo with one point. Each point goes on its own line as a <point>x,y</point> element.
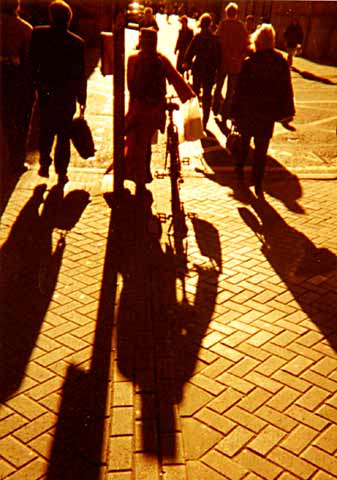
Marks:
<point>159,331</point>
<point>29,270</point>
<point>312,76</point>
<point>24,297</point>
<point>308,271</point>
<point>276,176</point>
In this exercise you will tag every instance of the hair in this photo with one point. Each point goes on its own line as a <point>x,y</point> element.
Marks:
<point>183,19</point>
<point>60,13</point>
<point>205,20</point>
<point>148,11</point>
<point>231,9</point>
<point>264,37</point>
<point>9,6</point>
<point>148,38</point>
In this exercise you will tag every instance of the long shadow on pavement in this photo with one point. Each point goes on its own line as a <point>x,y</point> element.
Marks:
<point>159,330</point>
<point>309,272</point>
<point>286,188</point>
<point>29,271</point>
<point>157,341</point>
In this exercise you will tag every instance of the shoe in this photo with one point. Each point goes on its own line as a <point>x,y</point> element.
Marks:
<point>62,179</point>
<point>43,171</point>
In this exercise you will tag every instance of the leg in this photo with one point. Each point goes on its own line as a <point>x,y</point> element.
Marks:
<point>46,140</point>
<point>62,149</point>
<point>231,85</point>
<point>260,157</point>
<point>206,100</point>
<point>217,92</point>
<point>243,155</point>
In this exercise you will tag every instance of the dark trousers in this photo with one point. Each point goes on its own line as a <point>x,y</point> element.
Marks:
<point>231,85</point>
<point>55,121</point>
<point>261,144</point>
<point>206,84</point>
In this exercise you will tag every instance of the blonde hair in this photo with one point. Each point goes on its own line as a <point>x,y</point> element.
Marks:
<point>264,37</point>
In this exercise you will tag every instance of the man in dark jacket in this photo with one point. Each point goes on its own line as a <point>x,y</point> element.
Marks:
<point>57,58</point>
<point>204,55</point>
<point>293,38</point>
<point>263,96</point>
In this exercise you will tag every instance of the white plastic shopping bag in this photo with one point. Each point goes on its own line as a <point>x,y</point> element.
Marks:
<point>193,129</point>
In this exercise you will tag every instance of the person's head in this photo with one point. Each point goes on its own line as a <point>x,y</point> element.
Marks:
<point>60,14</point>
<point>250,23</point>
<point>232,10</point>
<point>184,21</point>
<point>148,12</point>
<point>148,39</point>
<point>9,6</point>
<point>205,21</point>
<point>264,37</point>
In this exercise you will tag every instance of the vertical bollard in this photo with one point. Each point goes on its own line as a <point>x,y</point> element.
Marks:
<point>119,95</point>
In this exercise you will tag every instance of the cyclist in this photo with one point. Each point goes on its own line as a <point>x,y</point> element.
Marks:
<point>147,72</point>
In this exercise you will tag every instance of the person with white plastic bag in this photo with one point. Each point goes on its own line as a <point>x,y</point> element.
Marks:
<point>203,56</point>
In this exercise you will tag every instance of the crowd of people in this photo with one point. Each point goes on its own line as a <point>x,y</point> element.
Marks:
<point>47,62</point>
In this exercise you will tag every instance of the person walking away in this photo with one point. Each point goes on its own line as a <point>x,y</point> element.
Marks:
<point>204,56</point>
<point>293,38</point>
<point>17,95</point>
<point>184,39</point>
<point>263,95</point>
<point>57,58</point>
<point>147,73</point>
<point>234,42</point>
<point>148,21</point>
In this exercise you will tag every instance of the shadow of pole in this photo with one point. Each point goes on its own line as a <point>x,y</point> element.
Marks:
<point>78,447</point>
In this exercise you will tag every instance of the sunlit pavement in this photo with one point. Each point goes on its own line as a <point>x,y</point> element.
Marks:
<point>130,353</point>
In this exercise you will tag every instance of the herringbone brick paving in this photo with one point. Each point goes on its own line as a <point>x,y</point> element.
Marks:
<point>126,360</point>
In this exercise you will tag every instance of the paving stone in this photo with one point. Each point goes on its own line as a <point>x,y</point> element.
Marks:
<point>306,417</point>
<point>194,398</point>
<point>258,465</point>
<point>196,469</point>
<point>16,452</point>
<point>299,439</point>
<point>235,441</point>
<point>214,420</point>
<point>313,398</point>
<point>32,471</point>
<point>120,453</point>
<point>221,463</point>
<point>207,438</point>
<point>327,440</point>
<point>266,440</point>
<point>26,407</point>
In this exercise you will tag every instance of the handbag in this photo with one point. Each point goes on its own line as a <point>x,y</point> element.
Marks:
<point>193,129</point>
<point>81,137</point>
<point>234,142</point>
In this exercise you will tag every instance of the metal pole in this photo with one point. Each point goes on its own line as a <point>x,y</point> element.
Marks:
<point>118,96</point>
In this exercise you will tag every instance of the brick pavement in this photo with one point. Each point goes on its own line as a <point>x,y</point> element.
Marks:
<point>131,353</point>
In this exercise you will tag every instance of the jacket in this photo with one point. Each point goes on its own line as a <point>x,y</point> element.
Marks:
<point>57,62</point>
<point>234,42</point>
<point>264,92</point>
<point>204,54</point>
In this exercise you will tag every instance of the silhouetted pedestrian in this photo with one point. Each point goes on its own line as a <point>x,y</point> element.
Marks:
<point>293,37</point>
<point>263,95</point>
<point>184,39</point>
<point>204,55</point>
<point>15,83</point>
<point>57,57</point>
<point>234,41</point>
<point>147,72</point>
